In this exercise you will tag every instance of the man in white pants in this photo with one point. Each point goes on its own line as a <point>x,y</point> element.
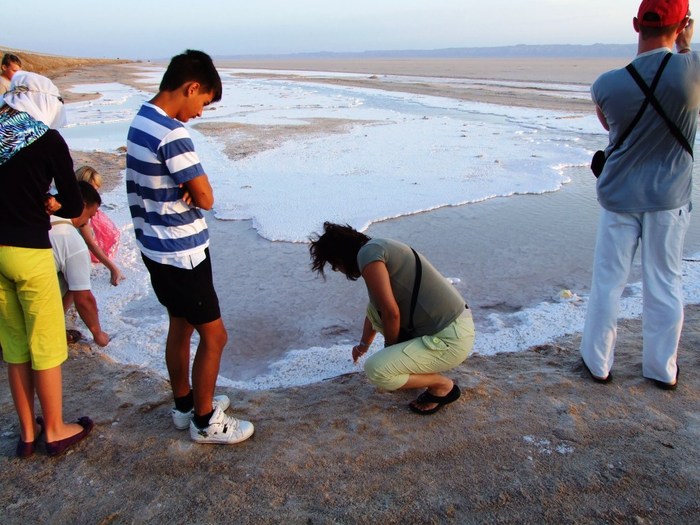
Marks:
<point>645,189</point>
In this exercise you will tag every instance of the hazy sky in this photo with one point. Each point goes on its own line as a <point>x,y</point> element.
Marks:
<point>162,28</point>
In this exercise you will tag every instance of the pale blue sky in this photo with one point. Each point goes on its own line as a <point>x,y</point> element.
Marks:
<point>162,28</point>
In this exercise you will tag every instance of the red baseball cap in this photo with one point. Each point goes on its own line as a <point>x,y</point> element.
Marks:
<point>670,12</point>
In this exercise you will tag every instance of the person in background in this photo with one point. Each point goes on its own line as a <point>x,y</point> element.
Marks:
<point>406,293</point>
<point>644,191</point>
<point>32,324</point>
<point>9,66</point>
<point>73,263</point>
<point>167,188</point>
<point>100,233</point>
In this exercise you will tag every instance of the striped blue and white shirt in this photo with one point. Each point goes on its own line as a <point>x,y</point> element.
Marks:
<point>159,157</point>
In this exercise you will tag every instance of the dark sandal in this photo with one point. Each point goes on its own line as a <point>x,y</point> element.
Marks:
<point>427,397</point>
<point>668,386</point>
<point>597,379</point>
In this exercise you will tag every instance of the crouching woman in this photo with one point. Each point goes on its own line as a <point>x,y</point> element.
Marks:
<point>427,327</point>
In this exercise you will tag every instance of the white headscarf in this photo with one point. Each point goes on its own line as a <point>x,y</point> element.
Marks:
<point>37,96</point>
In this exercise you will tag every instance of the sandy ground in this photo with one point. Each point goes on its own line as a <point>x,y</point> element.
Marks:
<point>532,440</point>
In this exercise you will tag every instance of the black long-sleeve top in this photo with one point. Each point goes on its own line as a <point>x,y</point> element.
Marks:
<point>24,182</point>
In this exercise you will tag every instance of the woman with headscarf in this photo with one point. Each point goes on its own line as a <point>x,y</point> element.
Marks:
<point>427,326</point>
<point>32,324</point>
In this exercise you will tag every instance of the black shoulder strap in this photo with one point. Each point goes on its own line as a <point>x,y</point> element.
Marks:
<point>643,108</point>
<point>416,287</point>
<point>651,98</point>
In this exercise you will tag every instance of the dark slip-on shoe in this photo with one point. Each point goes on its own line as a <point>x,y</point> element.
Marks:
<point>26,449</point>
<point>668,386</point>
<point>55,448</point>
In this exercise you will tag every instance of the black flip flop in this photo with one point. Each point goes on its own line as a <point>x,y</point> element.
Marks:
<point>427,397</point>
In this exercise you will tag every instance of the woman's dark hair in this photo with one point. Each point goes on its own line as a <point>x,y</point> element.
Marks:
<point>192,66</point>
<point>338,246</point>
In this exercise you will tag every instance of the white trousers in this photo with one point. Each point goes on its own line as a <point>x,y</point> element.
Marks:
<point>662,234</point>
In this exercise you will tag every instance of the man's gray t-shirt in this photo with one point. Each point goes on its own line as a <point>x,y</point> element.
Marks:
<point>439,303</point>
<point>650,171</point>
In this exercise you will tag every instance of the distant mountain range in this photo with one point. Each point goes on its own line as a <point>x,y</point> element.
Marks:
<point>518,51</point>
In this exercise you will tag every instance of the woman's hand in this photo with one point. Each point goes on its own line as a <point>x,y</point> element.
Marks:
<point>51,205</point>
<point>368,333</point>
<point>358,351</point>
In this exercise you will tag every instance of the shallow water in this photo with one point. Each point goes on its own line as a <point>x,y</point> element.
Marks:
<point>509,254</point>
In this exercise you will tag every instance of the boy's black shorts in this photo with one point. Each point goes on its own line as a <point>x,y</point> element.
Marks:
<point>186,293</point>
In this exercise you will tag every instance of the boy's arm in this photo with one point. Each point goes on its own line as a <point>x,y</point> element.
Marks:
<point>86,305</point>
<point>200,192</point>
<point>88,236</point>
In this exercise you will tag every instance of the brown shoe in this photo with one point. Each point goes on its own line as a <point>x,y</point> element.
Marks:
<point>73,336</point>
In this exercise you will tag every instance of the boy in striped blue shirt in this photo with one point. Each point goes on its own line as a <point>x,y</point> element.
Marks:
<point>167,188</point>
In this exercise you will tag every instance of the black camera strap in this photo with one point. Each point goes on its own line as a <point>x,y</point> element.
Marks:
<point>651,98</point>
<point>648,92</point>
<point>416,288</point>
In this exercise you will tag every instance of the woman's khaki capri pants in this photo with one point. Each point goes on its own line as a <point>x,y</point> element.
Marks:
<point>390,368</point>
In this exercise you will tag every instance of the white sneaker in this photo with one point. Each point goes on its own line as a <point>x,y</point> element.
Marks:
<point>222,429</point>
<point>181,420</point>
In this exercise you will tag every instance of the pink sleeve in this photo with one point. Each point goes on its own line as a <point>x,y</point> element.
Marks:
<point>106,234</point>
